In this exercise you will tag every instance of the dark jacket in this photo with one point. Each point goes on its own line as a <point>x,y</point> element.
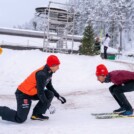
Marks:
<point>119,77</point>
<point>35,83</point>
<point>44,79</point>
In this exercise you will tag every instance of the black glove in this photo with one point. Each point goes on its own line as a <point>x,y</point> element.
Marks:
<point>62,99</point>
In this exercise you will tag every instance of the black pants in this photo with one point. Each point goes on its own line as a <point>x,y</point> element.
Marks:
<point>118,94</point>
<point>105,52</point>
<point>23,106</point>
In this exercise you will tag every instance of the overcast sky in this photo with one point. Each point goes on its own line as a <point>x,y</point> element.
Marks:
<point>17,12</point>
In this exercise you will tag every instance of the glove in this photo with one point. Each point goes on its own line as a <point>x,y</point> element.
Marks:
<point>62,99</point>
<point>52,109</point>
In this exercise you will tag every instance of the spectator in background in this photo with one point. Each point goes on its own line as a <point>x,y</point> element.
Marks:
<point>106,45</point>
<point>97,44</point>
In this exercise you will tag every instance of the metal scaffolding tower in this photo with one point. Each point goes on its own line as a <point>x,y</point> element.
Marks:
<point>61,22</point>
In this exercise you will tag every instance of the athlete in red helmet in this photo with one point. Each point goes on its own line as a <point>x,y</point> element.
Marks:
<point>123,82</point>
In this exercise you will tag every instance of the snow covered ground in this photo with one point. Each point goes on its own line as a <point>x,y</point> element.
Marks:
<point>76,81</point>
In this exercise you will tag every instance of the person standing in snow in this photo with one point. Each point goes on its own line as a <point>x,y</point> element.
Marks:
<point>97,44</point>
<point>123,82</point>
<point>33,88</point>
<point>106,45</point>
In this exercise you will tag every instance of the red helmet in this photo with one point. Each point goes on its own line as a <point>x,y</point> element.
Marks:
<point>101,70</point>
<point>52,60</point>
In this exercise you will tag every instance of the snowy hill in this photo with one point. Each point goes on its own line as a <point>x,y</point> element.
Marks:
<point>76,81</point>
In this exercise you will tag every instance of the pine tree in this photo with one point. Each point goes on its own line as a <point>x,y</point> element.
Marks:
<point>87,47</point>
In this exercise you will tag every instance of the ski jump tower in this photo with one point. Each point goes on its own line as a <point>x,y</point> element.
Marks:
<point>59,21</point>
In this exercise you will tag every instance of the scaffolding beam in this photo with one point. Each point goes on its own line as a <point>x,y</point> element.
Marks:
<point>62,22</point>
